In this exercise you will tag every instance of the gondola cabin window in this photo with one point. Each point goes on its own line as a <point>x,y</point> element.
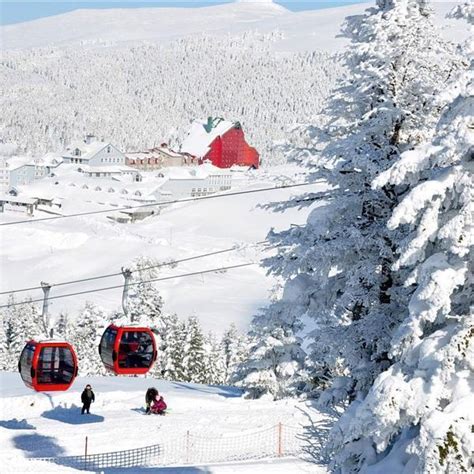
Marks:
<point>55,365</point>
<point>26,362</point>
<point>136,350</point>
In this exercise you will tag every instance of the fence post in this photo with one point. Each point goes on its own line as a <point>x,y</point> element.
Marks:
<point>280,445</point>
<point>85,455</point>
<point>187,447</point>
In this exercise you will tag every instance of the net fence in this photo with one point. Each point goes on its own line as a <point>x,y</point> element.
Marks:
<point>280,440</point>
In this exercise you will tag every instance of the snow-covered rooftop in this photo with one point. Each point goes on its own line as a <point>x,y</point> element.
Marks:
<point>16,199</point>
<point>193,172</point>
<point>203,133</point>
<point>88,150</point>
<point>15,162</point>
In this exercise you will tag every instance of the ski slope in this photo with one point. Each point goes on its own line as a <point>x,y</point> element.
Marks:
<point>49,425</point>
<point>74,248</point>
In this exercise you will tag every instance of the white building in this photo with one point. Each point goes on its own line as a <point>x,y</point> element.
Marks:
<point>93,152</point>
<point>193,182</point>
<point>114,172</point>
<point>16,171</point>
<point>45,165</point>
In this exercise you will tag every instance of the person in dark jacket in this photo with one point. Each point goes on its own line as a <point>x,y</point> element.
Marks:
<point>87,398</point>
<point>150,395</point>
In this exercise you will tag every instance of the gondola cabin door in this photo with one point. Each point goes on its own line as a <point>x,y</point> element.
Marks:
<point>48,366</point>
<point>128,350</point>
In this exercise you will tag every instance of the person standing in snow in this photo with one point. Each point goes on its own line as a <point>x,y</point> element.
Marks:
<point>87,398</point>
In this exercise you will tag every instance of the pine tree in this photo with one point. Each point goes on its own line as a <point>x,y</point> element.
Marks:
<point>145,303</point>
<point>194,352</point>
<point>214,366</point>
<point>274,364</point>
<point>85,338</point>
<point>175,338</point>
<point>4,355</point>
<point>234,348</point>
<point>385,106</point>
<point>61,327</point>
<point>420,408</point>
<point>21,323</point>
<point>275,358</point>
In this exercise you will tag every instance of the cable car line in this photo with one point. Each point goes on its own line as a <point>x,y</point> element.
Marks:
<point>114,287</point>
<point>109,275</point>
<point>157,203</point>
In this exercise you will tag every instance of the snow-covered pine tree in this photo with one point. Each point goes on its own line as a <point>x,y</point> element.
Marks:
<point>214,364</point>
<point>418,415</point>
<point>274,365</point>
<point>174,342</point>
<point>145,303</point>
<point>235,351</point>
<point>194,352</point>
<point>21,323</point>
<point>85,338</point>
<point>4,355</point>
<point>145,306</point>
<point>384,106</point>
<point>275,360</point>
<point>61,327</point>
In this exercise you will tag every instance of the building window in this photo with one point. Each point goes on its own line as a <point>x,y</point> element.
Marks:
<point>108,149</point>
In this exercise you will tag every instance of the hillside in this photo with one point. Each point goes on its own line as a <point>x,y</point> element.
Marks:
<point>68,249</point>
<point>43,425</point>
<point>115,73</point>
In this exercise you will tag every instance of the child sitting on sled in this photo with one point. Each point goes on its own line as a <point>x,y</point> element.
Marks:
<point>158,406</point>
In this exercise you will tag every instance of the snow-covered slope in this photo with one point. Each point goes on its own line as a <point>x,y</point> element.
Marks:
<point>306,30</point>
<point>68,249</point>
<point>138,77</point>
<point>50,424</point>
<point>158,24</point>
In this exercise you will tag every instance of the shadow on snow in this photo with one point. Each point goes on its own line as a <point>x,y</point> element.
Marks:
<point>38,445</point>
<point>71,416</point>
<point>221,390</point>
<point>15,424</point>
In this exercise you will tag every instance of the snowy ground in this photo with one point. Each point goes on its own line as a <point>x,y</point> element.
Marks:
<point>45,425</point>
<point>301,31</point>
<point>70,249</point>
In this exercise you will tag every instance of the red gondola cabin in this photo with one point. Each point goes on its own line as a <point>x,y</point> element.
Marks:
<point>48,366</point>
<point>128,350</point>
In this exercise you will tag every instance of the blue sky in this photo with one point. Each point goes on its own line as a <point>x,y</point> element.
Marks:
<point>22,10</point>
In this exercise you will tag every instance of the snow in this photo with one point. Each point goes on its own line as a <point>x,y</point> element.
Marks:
<point>301,31</point>
<point>73,248</point>
<point>50,424</point>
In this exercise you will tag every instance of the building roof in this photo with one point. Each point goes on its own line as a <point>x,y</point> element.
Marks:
<point>50,159</point>
<point>88,150</point>
<point>15,162</point>
<point>17,200</point>
<point>152,153</point>
<point>194,172</point>
<point>203,133</point>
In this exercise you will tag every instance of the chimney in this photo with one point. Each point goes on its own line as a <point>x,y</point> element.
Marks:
<point>89,139</point>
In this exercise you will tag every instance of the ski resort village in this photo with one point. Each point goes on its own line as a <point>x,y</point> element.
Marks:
<point>211,153</point>
<point>236,237</point>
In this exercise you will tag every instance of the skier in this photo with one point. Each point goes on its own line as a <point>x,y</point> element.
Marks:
<point>159,406</point>
<point>87,398</point>
<point>150,395</point>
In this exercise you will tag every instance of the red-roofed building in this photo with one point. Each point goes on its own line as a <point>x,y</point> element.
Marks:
<point>221,142</point>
